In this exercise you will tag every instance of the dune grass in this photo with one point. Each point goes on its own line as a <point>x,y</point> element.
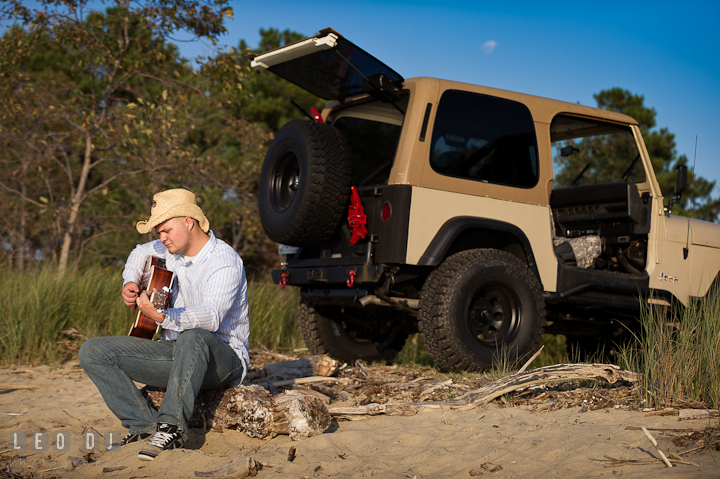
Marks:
<point>45,320</point>
<point>678,354</point>
<point>273,311</point>
<point>38,306</point>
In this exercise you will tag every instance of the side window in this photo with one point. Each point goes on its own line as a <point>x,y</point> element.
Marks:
<point>484,138</point>
<point>589,152</point>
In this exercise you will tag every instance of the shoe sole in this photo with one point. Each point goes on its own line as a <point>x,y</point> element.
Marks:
<point>145,455</point>
<point>150,454</point>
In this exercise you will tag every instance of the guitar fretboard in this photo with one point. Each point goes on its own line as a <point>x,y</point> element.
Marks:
<point>147,274</point>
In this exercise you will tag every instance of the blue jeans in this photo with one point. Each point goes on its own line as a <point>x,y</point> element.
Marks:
<point>196,360</point>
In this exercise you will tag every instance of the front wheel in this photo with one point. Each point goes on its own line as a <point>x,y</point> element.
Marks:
<point>481,308</point>
<point>370,336</point>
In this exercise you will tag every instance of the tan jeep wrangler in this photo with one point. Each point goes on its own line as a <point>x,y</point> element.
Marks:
<point>426,204</point>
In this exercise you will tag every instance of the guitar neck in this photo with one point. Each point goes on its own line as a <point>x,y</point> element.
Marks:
<point>159,279</point>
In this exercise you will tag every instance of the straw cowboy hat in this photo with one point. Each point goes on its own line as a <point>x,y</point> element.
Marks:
<point>172,204</point>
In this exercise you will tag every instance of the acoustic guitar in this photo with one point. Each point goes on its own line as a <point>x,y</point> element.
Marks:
<point>155,276</point>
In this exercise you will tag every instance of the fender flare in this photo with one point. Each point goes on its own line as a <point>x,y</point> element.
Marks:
<point>446,235</point>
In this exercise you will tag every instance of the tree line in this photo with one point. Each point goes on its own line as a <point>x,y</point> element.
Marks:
<point>98,111</point>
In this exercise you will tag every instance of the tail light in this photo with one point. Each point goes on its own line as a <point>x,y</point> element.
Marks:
<point>386,212</point>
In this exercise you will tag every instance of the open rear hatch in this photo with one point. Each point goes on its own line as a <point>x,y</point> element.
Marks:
<point>332,68</point>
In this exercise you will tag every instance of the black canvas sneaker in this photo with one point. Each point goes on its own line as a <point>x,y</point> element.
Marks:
<point>166,437</point>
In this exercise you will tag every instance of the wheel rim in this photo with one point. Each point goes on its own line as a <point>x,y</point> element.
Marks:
<point>493,315</point>
<point>285,182</point>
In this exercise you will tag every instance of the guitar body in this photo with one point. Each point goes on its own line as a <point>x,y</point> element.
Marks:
<point>155,276</point>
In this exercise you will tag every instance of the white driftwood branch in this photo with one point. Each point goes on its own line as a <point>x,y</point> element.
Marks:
<point>654,443</point>
<point>557,372</point>
<point>499,387</point>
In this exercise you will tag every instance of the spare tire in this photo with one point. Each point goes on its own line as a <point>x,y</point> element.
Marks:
<point>305,183</point>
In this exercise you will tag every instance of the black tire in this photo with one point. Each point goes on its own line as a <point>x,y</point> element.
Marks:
<point>304,183</point>
<point>345,342</point>
<point>481,308</point>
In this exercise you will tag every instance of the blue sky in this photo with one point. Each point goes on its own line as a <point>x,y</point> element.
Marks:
<point>667,51</point>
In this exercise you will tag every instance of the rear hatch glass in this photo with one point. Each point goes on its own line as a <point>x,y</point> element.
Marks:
<point>372,130</point>
<point>328,66</point>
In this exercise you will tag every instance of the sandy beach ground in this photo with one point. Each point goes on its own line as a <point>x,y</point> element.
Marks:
<point>495,442</point>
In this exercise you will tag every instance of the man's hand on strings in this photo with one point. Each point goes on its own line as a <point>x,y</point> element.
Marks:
<point>130,294</point>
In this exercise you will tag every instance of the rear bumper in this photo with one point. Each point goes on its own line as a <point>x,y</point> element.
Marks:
<point>329,275</point>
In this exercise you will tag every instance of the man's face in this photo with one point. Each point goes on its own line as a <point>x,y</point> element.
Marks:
<point>175,235</point>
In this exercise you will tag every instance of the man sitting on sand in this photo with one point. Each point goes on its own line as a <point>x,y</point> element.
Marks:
<point>204,341</point>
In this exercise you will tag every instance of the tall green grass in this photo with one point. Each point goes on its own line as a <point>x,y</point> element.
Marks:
<point>678,354</point>
<point>37,307</point>
<point>273,312</point>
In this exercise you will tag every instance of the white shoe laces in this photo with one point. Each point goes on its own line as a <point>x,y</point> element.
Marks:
<point>161,439</point>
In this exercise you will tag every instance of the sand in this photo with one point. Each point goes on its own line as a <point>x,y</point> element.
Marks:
<point>493,442</point>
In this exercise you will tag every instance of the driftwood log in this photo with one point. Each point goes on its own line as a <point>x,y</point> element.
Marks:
<point>291,412</point>
<point>497,388</point>
<point>255,411</point>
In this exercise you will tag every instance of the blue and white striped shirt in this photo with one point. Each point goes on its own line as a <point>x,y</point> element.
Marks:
<point>209,292</point>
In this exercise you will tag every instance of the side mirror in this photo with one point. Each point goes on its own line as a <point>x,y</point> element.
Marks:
<point>568,150</point>
<point>680,180</point>
<point>680,185</point>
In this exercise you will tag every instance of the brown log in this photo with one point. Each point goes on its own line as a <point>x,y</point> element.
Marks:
<point>321,365</point>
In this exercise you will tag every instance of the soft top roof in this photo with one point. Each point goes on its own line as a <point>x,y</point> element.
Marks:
<point>329,66</point>
<point>543,109</point>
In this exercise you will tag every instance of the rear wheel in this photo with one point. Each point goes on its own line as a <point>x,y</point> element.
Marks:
<point>481,308</point>
<point>370,336</point>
